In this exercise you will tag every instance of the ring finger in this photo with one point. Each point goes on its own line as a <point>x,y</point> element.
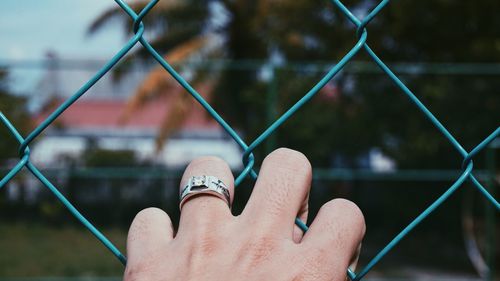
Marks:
<point>202,209</point>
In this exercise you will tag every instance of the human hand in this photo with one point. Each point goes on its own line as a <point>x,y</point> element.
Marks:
<point>262,243</point>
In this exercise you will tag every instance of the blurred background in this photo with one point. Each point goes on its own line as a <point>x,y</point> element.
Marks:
<point>123,146</point>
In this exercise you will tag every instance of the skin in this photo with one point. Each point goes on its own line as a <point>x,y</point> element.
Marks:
<point>262,243</point>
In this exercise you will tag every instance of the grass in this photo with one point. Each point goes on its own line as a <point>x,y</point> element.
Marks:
<point>31,250</point>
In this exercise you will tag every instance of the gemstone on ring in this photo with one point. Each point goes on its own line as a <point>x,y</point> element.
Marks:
<point>209,185</point>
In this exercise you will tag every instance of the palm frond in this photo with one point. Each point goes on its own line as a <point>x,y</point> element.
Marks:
<point>105,18</point>
<point>181,105</point>
<point>173,119</point>
<point>116,13</point>
<point>158,81</point>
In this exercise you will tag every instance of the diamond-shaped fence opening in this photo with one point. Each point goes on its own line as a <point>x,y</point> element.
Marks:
<point>361,26</point>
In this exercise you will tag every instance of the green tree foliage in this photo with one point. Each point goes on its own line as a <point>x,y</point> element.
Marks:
<point>368,110</point>
<point>110,158</point>
<point>14,108</point>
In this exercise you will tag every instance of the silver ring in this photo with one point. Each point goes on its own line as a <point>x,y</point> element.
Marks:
<point>208,185</point>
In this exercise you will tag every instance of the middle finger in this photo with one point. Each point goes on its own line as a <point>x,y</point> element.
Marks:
<point>281,192</point>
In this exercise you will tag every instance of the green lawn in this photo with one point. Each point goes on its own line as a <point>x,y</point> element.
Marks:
<point>32,250</point>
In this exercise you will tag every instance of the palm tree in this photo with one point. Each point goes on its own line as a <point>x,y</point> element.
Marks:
<point>228,29</point>
<point>181,30</point>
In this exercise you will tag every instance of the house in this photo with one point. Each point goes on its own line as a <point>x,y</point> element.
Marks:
<point>97,117</point>
<point>97,120</point>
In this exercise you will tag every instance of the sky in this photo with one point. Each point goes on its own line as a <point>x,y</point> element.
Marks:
<point>30,28</point>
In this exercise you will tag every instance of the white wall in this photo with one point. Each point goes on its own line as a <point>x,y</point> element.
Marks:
<point>177,152</point>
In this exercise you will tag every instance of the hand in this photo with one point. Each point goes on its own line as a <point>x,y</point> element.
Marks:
<point>260,244</point>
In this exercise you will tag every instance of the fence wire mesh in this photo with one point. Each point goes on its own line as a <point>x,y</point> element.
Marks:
<point>248,157</point>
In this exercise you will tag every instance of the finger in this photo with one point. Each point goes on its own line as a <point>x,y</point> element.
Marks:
<point>281,191</point>
<point>335,235</point>
<point>150,232</point>
<point>204,209</point>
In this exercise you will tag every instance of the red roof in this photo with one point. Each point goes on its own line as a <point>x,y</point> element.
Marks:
<point>101,114</point>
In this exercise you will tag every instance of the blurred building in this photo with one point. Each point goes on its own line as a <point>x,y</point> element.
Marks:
<point>97,119</point>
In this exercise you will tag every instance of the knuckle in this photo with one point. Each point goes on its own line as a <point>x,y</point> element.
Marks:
<point>203,159</point>
<point>294,159</point>
<point>291,173</point>
<point>149,212</point>
<point>208,162</point>
<point>348,212</point>
<point>278,196</point>
<point>347,208</point>
<point>144,220</point>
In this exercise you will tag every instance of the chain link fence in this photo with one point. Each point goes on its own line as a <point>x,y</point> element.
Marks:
<point>248,157</point>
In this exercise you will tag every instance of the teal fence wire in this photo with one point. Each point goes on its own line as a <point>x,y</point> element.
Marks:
<point>248,158</point>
